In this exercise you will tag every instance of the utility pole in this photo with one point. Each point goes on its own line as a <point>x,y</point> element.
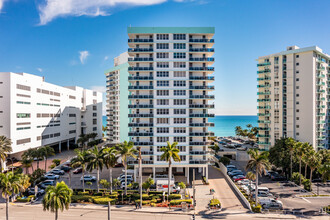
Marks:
<point>108,210</point>
<point>140,175</point>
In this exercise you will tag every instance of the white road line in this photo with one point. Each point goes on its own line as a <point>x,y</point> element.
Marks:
<point>306,200</point>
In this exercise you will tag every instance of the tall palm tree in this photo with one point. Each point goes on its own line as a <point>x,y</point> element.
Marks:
<point>5,148</point>
<point>27,163</point>
<point>82,140</point>
<point>290,143</point>
<point>10,184</point>
<point>170,152</point>
<point>47,151</point>
<point>126,150</point>
<point>251,176</point>
<point>258,162</point>
<point>95,161</point>
<point>28,156</point>
<point>324,170</point>
<point>39,155</point>
<point>104,129</point>
<point>57,198</point>
<point>110,160</point>
<point>305,158</point>
<point>80,160</point>
<point>300,152</point>
<point>314,162</point>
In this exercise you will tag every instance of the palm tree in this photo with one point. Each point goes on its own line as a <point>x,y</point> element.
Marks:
<point>148,183</point>
<point>170,152</point>
<point>258,162</point>
<point>238,130</point>
<point>104,129</point>
<point>300,149</point>
<point>305,158</point>
<point>324,170</point>
<point>80,160</point>
<point>27,163</point>
<point>47,151</point>
<point>10,184</point>
<point>28,156</point>
<point>290,143</point>
<point>110,160</point>
<point>251,176</point>
<point>126,150</point>
<point>5,148</point>
<point>82,140</point>
<point>39,155</point>
<point>314,162</point>
<point>57,198</point>
<point>95,161</point>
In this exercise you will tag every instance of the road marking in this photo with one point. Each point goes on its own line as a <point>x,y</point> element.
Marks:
<point>306,200</point>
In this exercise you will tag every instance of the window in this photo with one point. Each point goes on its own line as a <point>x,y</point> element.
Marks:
<point>94,107</point>
<point>162,64</point>
<point>297,103</point>
<point>94,93</point>
<point>162,120</point>
<point>163,130</point>
<point>72,97</point>
<point>179,139</point>
<point>297,64</point>
<point>297,134</point>
<point>23,141</point>
<point>162,36</point>
<point>179,46</point>
<point>72,131</point>
<point>22,95</point>
<point>23,115</point>
<point>162,139</point>
<point>297,71</point>
<point>162,74</point>
<point>179,101</point>
<point>162,102</point>
<point>179,83</point>
<point>23,128</point>
<point>25,103</point>
<point>179,64</point>
<point>297,126</point>
<point>179,73</point>
<point>163,46</point>
<point>179,55</point>
<point>179,111</point>
<point>183,157</point>
<point>163,111</point>
<point>94,121</point>
<point>94,114</point>
<point>179,130</point>
<point>22,87</point>
<point>297,56</point>
<point>297,79</point>
<point>72,115</point>
<point>162,92</point>
<point>179,36</point>
<point>179,120</point>
<point>94,128</point>
<point>297,95</point>
<point>163,83</point>
<point>159,158</point>
<point>179,92</point>
<point>162,55</point>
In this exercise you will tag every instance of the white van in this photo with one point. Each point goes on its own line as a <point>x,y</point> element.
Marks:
<point>261,189</point>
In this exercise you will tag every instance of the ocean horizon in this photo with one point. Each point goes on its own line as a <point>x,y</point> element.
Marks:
<point>224,124</point>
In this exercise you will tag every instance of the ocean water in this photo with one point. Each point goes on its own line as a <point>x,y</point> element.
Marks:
<point>224,125</point>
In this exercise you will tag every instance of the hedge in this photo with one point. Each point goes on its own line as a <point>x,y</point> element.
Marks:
<point>83,193</point>
<point>137,196</point>
<point>81,198</point>
<point>104,201</point>
<point>174,196</point>
<point>179,201</point>
<point>214,202</point>
<point>27,199</point>
<point>156,192</point>
<point>256,209</point>
<point>144,202</point>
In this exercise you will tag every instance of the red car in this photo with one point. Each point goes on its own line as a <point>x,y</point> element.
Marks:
<point>239,177</point>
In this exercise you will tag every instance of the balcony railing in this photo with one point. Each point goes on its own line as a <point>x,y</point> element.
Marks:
<point>138,40</point>
<point>140,78</point>
<point>264,107</point>
<point>263,129</point>
<point>140,134</point>
<point>201,134</point>
<point>263,86</point>
<point>201,115</point>
<point>263,93</point>
<point>201,49</point>
<point>140,87</point>
<point>199,143</point>
<point>201,96</point>
<point>140,59</point>
<point>140,115</point>
<point>140,68</point>
<point>263,100</point>
<point>202,59</point>
<point>202,87</point>
<point>140,106</point>
<point>201,106</point>
<point>143,162</point>
<point>264,64</point>
<point>197,162</point>
<point>201,40</point>
<point>201,77</point>
<point>201,68</point>
<point>140,124</point>
<point>201,124</point>
<point>143,143</point>
<point>197,152</point>
<point>140,49</point>
<point>140,96</point>
<point>264,71</point>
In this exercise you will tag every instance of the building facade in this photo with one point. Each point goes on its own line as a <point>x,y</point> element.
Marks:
<point>117,100</point>
<point>169,94</point>
<point>34,113</point>
<point>293,96</point>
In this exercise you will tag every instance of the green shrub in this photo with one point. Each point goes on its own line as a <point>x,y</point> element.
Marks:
<point>179,201</point>
<point>174,196</point>
<point>144,202</point>
<point>153,200</point>
<point>104,201</point>
<point>83,193</point>
<point>224,160</point>
<point>113,196</point>
<point>214,202</point>
<point>307,184</point>
<point>256,209</point>
<point>137,196</point>
<point>81,198</point>
<point>98,194</point>
<point>296,178</point>
<point>152,204</point>
<point>156,192</point>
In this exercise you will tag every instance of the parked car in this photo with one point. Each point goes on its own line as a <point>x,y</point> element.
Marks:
<point>129,178</point>
<point>243,182</point>
<point>231,169</point>
<point>51,176</point>
<point>243,148</point>
<point>263,194</point>
<point>88,178</point>
<point>277,177</point>
<point>239,177</point>
<point>269,203</point>
<point>77,170</point>
<point>230,166</point>
<point>40,191</point>
<point>57,172</point>
<point>119,165</point>
<point>235,173</point>
<point>46,183</point>
<point>270,173</point>
<point>65,168</point>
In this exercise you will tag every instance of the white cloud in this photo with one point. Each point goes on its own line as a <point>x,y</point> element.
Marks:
<point>39,69</point>
<point>99,88</point>
<point>1,4</point>
<point>51,9</point>
<point>106,58</point>
<point>83,56</point>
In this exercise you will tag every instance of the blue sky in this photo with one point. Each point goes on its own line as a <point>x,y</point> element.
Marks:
<point>72,42</point>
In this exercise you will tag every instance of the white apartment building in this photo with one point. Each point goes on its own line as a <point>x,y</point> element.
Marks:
<point>169,94</point>
<point>117,100</point>
<point>34,113</point>
<point>293,96</point>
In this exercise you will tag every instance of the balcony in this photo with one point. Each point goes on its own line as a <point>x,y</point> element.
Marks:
<point>201,59</point>
<point>198,152</point>
<point>263,100</point>
<point>201,124</point>
<point>263,93</point>
<point>201,115</point>
<point>141,50</point>
<point>263,122</point>
<point>140,78</point>
<point>143,162</point>
<point>201,50</point>
<point>140,59</point>
<point>143,143</point>
<point>199,143</point>
<point>263,86</point>
<point>140,87</point>
<point>263,78</point>
<point>320,75</point>
<point>201,106</point>
<point>140,68</point>
<point>140,124</point>
<point>263,114</point>
<point>263,107</point>
<point>201,77</point>
<point>320,91</point>
<point>202,134</point>
<point>264,71</point>
<point>263,143</point>
<point>201,40</point>
<point>140,106</point>
<point>321,68</point>
<point>201,96</point>
<point>263,129</point>
<point>140,134</point>
<point>140,96</point>
<point>202,87</point>
<point>138,40</point>
<point>264,64</point>
<point>140,115</point>
<point>264,135</point>
<point>197,162</point>
<point>201,68</point>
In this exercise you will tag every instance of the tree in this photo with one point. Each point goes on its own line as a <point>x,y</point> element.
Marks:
<point>126,150</point>
<point>5,148</point>
<point>170,152</point>
<point>251,177</point>
<point>29,156</point>
<point>305,158</point>
<point>80,160</point>
<point>57,198</point>
<point>182,186</point>
<point>300,149</point>
<point>38,154</point>
<point>258,162</point>
<point>290,143</point>
<point>46,152</point>
<point>224,160</point>
<point>148,183</point>
<point>116,183</point>
<point>82,140</point>
<point>27,163</point>
<point>251,132</point>
<point>10,184</point>
<point>105,183</point>
<point>104,129</point>
<point>278,155</point>
<point>314,162</point>
<point>324,170</point>
<point>215,148</point>
<point>110,160</point>
<point>95,161</point>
